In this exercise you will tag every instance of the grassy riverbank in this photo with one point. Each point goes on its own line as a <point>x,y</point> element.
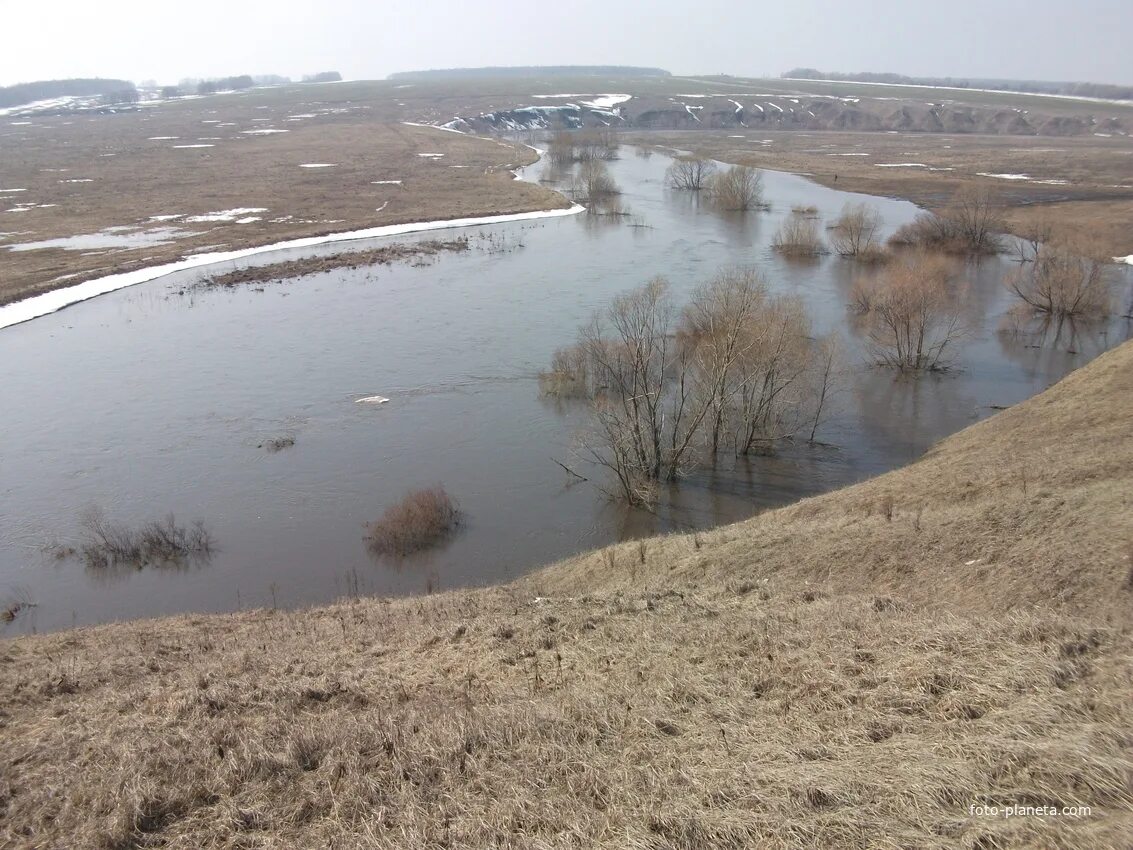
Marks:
<point>858,669</point>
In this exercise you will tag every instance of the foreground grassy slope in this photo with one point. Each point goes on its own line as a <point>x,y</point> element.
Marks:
<point>833,674</point>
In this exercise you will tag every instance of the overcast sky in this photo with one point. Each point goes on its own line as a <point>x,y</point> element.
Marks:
<point>1087,40</point>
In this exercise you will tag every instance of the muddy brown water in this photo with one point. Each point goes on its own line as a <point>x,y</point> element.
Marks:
<point>157,398</point>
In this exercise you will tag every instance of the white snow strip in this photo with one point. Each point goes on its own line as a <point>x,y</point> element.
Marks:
<point>444,127</point>
<point>79,180</point>
<point>775,106</point>
<point>1004,176</point>
<point>162,138</point>
<point>855,153</point>
<point>12,190</point>
<point>1127,260</point>
<point>49,302</point>
<point>431,155</point>
<point>757,106</point>
<point>900,165</point>
<point>385,182</point>
<point>382,207</point>
<point>227,215</point>
<point>194,146</point>
<point>371,399</point>
<point>268,131</point>
<point>607,101</point>
<point>318,165</point>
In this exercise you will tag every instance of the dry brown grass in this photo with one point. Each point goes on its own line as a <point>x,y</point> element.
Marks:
<point>133,178</point>
<point>856,670</point>
<point>422,519</point>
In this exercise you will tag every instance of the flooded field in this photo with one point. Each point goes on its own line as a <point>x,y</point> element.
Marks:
<point>161,397</point>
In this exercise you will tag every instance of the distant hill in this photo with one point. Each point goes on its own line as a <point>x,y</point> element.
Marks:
<point>1100,90</point>
<point>531,71</point>
<point>22,93</point>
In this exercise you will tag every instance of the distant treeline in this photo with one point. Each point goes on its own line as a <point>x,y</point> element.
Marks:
<point>531,71</point>
<point>1102,90</point>
<point>118,90</point>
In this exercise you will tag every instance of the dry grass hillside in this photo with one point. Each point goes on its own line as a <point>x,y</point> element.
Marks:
<point>857,670</point>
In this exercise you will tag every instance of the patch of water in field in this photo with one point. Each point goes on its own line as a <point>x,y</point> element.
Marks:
<point>157,399</point>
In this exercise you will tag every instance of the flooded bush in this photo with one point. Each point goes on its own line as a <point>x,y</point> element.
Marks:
<point>690,172</point>
<point>737,368</point>
<point>420,520</point>
<point>1063,282</point>
<point>911,313</point>
<point>567,377</point>
<point>798,236</point>
<point>737,189</point>
<point>854,233</point>
<point>969,224</point>
<point>568,147</point>
<point>594,183</point>
<point>107,543</point>
<point>277,444</point>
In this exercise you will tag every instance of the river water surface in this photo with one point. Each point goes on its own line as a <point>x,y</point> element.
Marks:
<point>156,398</point>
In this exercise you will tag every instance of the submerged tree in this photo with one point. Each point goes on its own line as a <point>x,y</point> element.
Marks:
<point>1063,281</point>
<point>738,369</point>
<point>690,172</point>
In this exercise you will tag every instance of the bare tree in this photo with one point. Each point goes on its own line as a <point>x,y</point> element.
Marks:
<point>738,188</point>
<point>690,172</point>
<point>828,371</point>
<point>1064,281</point>
<point>1035,233</point>
<point>912,315</point>
<point>750,354</point>
<point>977,219</point>
<point>855,231</point>
<point>716,328</point>
<point>645,409</point>
<point>771,382</point>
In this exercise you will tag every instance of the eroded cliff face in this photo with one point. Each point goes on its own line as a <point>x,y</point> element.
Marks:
<point>806,112</point>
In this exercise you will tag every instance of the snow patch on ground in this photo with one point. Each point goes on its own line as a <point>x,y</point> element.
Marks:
<point>112,237</point>
<point>267,131</point>
<point>900,165</point>
<point>607,101</point>
<point>1004,176</point>
<point>162,138</point>
<point>226,215</point>
<point>385,182</point>
<point>194,146</point>
<point>431,155</point>
<point>318,165</point>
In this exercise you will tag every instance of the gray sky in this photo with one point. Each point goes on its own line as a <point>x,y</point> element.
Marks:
<point>1040,39</point>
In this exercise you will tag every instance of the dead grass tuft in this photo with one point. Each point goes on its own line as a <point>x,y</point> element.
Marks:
<point>421,520</point>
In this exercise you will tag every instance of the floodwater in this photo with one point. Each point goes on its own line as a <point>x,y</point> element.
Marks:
<point>157,399</point>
